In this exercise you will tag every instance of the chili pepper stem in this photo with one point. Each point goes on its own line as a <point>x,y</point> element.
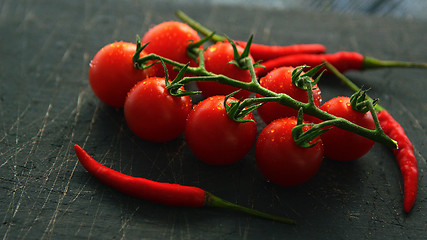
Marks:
<point>344,80</point>
<point>162,192</point>
<point>214,201</point>
<point>371,63</point>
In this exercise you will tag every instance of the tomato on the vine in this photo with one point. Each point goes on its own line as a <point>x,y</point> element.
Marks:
<point>217,60</point>
<point>112,73</point>
<point>281,160</point>
<point>280,81</point>
<point>153,114</point>
<point>170,40</point>
<point>344,145</point>
<point>214,137</point>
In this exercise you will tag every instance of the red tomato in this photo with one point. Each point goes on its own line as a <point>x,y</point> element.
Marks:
<point>280,81</point>
<point>170,40</point>
<point>343,145</point>
<point>153,114</point>
<point>112,74</point>
<point>217,58</point>
<point>214,137</point>
<point>282,161</point>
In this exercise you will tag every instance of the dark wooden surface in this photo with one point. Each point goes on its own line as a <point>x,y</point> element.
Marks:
<point>46,106</point>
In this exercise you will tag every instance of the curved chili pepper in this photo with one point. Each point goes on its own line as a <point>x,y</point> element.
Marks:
<point>343,61</point>
<point>405,157</point>
<point>404,154</point>
<point>163,193</point>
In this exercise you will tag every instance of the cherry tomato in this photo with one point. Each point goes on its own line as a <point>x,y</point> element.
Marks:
<point>217,58</point>
<point>280,81</point>
<point>343,145</point>
<point>153,114</point>
<point>112,74</point>
<point>214,137</point>
<point>170,40</point>
<point>281,160</point>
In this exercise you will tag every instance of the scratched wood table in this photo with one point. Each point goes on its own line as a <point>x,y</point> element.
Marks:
<point>46,106</point>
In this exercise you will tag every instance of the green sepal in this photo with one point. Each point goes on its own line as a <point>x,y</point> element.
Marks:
<point>239,58</point>
<point>246,51</point>
<point>314,70</point>
<point>258,64</point>
<point>145,66</point>
<point>359,101</point>
<point>302,138</point>
<point>174,87</point>
<point>300,81</point>
<point>166,71</point>
<point>318,78</point>
<point>137,55</point>
<point>235,111</point>
<point>296,76</point>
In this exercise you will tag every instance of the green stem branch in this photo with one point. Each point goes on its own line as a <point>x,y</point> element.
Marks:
<point>199,27</point>
<point>201,74</point>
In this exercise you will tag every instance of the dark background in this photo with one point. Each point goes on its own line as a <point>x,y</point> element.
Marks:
<point>46,106</point>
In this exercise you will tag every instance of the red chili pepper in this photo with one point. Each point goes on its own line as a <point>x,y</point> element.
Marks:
<point>405,157</point>
<point>343,61</point>
<point>404,154</point>
<point>164,193</point>
<point>261,52</point>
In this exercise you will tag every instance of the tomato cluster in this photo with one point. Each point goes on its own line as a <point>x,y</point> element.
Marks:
<point>154,114</point>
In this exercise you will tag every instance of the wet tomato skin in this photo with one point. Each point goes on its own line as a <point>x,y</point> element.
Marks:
<point>280,81</point>
<point>343,145</point>
<point>112,73</point>
<point>153,114</point>
<point>281,160</point>
<point>214,137</point>
<point>170,39</point>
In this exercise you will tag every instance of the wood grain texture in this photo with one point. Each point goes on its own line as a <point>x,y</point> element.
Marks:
<point>46,106</point>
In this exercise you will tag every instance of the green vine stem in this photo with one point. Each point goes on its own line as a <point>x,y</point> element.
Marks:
<point>199,27</point>
<point>201,74</point>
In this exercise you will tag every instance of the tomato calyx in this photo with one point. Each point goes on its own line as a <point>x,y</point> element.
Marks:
<point>305,138</point>
<point>301,81</point>
<point>240,59</point>
<point>175,88</point>
<point>359,101</point>
<point>237,110</point>
<point>137,63</point>
<point>138,50</point>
